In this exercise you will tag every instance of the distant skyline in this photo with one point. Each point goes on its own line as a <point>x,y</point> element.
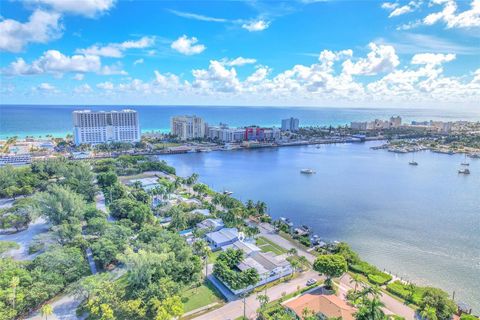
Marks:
<point>395,54</point>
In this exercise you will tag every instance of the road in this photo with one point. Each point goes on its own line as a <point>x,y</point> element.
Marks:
<point>392,305</point>
<point>234,309</point>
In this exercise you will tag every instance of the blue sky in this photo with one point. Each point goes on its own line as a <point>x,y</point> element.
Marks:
<point>418,53</point>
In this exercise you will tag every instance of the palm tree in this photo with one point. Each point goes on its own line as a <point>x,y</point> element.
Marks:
<point>429,313</point>
<point>263,299</point>
<point>250,205</point>
<point>295,264</point>
<point>47,310</point>
<point>370,310</point>
<point>14,284</point>
<point>373,291</point>
<point>261,207</point>
<point>202,249</point>
<point>356,280</point>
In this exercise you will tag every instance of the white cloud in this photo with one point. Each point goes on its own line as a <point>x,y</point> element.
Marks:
<point>381,58</point>
<point>87,8</point>
<point>389,5</point>
<point>54,62</point>
<point>216,78</point>
<point>45,87</point>
<point>196,16</point>
<point>83,89</point>
<point>114,69</point>
<point>453,19</point>
<point>256,25</point>
<point>401,10</point>
<point>240,61</point>
<point>106,51</point>
<point>187,46</point>
<point>41,27</point>
<point>138,61</point>
<point>116,50</point>
<point>432,58</point>
<point>79,77</point>
<point>105,86</point>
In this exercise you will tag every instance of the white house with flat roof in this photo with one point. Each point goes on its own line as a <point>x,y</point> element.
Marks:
<point>211,224</point>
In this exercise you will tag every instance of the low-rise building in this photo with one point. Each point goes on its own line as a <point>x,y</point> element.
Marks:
<point>323,306</point>
<point>15,159</point>
<point>221,238</point>
<point>211,224</point>
<point>225,134</point>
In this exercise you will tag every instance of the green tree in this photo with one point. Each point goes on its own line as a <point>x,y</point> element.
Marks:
<point>370,310</point>
<point>46,311</point>
<point>438,299</point>
<point>60,204</point>
<point>107,179</point>
<point>331,266</point>
<point>137,212</point>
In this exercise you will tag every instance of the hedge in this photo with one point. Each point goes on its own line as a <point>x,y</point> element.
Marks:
<point>374,275</point>
<point>401,290</point>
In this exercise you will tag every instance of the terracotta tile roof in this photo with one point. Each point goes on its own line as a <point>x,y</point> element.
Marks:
<point>329,305</point>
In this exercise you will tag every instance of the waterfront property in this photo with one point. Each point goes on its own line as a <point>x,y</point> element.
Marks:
<point>95,127</point>
<point>321,305</point>
<point>188,127</point>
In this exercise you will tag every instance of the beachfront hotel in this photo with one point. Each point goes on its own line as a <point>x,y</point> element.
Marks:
<point>94,127</point>
<point>188,127</point>
<point>290,124</point>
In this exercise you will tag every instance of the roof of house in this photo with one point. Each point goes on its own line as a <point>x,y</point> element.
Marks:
<point>246,247</point>
<point>223,235</point>
<point>262,262</point>
<point>329,305</point>
<point>210,224</point>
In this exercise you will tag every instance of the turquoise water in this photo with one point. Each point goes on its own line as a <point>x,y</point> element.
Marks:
<point>36,120</point>
<point>421,223</point>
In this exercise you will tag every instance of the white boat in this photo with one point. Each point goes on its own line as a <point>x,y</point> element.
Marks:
<point>464,171</point>
<point>228,193</point>
<point>465,163</point>
<point>307,171</point>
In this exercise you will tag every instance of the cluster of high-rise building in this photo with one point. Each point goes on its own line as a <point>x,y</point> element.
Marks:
<point>95,127</point>
<point>191,127</point>
<point>377,124</point>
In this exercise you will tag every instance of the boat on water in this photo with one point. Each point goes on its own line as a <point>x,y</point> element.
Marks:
<point>413,162</point>
<point>307,171</point>
<point>465,163</point>
<point>464,171</point>
<point>228,193</point>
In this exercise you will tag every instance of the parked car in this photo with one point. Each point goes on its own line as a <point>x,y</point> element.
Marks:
<point>311,282</point>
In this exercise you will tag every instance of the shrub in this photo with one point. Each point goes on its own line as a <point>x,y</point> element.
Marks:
<point>379,279</point>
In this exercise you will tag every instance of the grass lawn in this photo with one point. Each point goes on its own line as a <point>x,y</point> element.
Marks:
<point>269,246</point>
<point>8,245</point>
<point>199,297</point>
<point>212,258</point>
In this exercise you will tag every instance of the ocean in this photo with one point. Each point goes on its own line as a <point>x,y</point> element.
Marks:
<point>37,120</point>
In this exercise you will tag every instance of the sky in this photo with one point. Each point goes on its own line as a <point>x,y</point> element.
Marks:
<point>418,53</point>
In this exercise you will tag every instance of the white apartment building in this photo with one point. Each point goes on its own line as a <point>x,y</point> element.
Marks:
<point>94,127</point>
<point>188,127</point>
<point>225,134</point>
<point>290,124</point>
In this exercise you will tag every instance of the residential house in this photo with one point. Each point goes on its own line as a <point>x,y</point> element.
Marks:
<point>322,305</point>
